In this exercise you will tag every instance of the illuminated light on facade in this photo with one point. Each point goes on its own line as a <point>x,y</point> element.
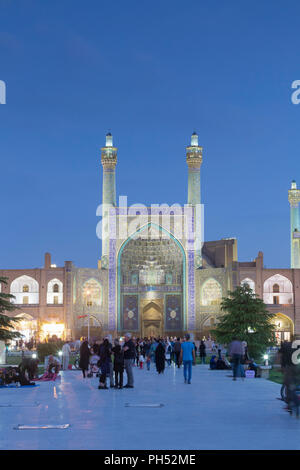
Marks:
<point>284,328</point>
<point>27,326</point>
<point>211,292</point>
<point>52,329</point>
<point>92,292</point>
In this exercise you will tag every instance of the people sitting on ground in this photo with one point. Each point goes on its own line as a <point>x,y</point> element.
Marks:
<point>12,375</point>
<point>29,366</point>
<point>52,368</point>
<point>24,377</point>
<point>213,362</point>
<point>226,362</point>
<point>253,366</point>
<point>53,365</point>
<point>222,364</point>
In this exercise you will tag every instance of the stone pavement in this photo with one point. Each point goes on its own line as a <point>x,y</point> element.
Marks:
<point>214,412</point>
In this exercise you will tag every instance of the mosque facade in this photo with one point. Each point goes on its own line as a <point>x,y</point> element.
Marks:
<point>156,275</point>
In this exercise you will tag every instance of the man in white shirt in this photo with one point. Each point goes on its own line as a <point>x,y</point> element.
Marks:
<point>66,350</point>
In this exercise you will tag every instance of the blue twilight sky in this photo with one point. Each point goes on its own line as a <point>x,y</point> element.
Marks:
<point>152,72</point>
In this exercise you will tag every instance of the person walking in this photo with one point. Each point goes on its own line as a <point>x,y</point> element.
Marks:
<point>84,357</point>
<point>168,352</point>
<point>187,356</point>
<point>153,347</point>
<point>202,350</point>
<point>129,357</point>
<point>160,358</point>
<point>177,350</point>
<point>118,364</point>
<point>146,351</point>
<point>137,351</point>
<point>219,348</point>
<point>236,352</point>
<point>172,353</point>
<point>66,351</point>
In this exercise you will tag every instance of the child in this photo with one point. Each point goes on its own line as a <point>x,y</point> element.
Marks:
<point>141,361</point>
<point>94,369</point>
<point>148,362</point>
<point>168,353</point>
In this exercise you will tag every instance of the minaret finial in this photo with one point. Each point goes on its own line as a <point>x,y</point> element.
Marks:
<point>194,139</point>
<point>109,139</point>
<point>294,185</point>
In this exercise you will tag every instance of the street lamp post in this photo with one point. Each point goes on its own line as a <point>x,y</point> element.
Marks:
<point>87,296</point>
<point>88,306</point>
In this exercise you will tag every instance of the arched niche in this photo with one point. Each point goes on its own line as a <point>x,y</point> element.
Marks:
<point>211,292</point>
<point>55,292</point>
<point>29,295</point>
<point>284,327</point>
<point>248,281</point>
<point>92,293</point>
<point>278,289</point>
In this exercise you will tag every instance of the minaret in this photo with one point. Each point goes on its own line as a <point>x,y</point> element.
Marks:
<point>294,199</point>
<point>109,161</point>
<point>194,161</point>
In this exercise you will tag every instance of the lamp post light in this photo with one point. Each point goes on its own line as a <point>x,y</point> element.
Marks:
<point>266,359</point>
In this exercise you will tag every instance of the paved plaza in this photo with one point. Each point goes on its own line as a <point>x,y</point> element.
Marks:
<point>214,412</point>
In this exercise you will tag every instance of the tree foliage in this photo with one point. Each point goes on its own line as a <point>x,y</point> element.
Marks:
<point>247,318</point>
<point>45,349</point>
<point>7,323</point>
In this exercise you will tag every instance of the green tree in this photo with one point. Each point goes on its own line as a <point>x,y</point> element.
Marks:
<point>247,318</point>
<point>7,327</point>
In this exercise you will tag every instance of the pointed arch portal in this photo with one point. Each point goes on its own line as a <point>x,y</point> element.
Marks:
<point>151,279</point>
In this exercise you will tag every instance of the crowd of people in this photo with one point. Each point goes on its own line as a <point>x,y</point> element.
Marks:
<point>113,358</point>
<point>109,359</point>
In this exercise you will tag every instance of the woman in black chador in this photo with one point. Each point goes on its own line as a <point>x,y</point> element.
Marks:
<point>84,357</point>
<point>160,358</point>
<point>118,364</point>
